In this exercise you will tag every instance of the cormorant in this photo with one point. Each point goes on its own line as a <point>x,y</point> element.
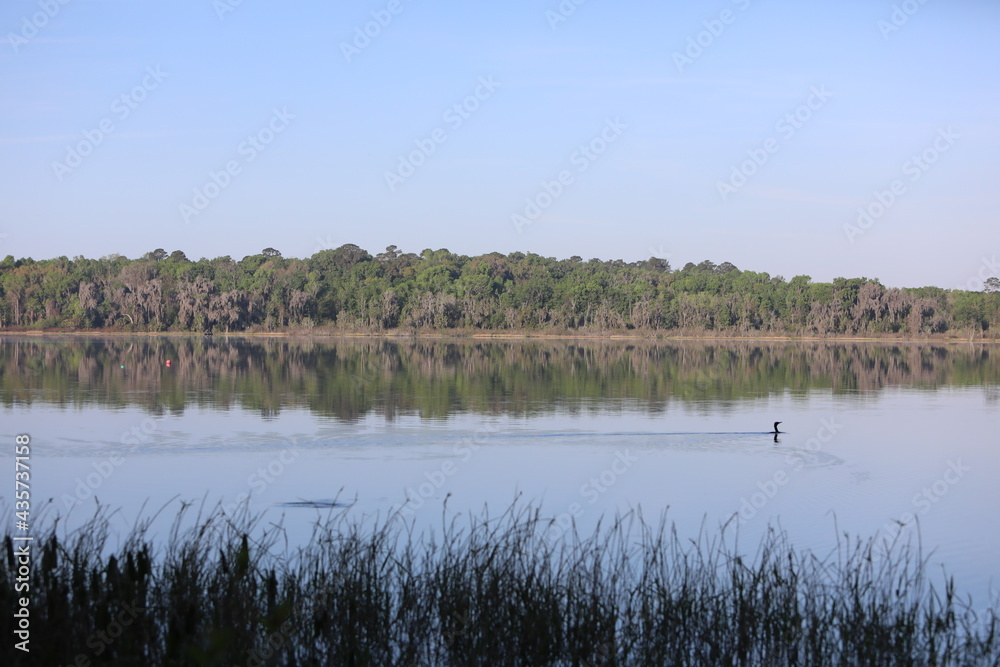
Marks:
<point>776,431</point>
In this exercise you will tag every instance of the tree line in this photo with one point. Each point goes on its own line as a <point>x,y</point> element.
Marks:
<point>349,289</point>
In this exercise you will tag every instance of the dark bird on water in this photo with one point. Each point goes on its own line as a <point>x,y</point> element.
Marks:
<point>776,431</point>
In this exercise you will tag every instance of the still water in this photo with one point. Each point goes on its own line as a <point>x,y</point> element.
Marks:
<point>886,440</point>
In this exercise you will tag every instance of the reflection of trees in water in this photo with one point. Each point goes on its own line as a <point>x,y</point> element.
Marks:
<point>351,378</point>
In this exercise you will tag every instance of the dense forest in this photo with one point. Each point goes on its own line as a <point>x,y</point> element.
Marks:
<point>348,289</point>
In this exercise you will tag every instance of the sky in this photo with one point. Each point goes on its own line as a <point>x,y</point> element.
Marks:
<point>857,138</point>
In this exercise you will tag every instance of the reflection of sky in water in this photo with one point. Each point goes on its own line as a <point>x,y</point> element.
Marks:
<point>699,460</point>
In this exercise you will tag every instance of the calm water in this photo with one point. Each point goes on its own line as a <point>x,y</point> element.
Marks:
<point>878,435</point>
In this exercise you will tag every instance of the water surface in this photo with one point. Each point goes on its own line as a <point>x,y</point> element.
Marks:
<point>880,437</point>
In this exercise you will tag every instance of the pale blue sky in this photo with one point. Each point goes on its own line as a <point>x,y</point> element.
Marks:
<point>678,131</point>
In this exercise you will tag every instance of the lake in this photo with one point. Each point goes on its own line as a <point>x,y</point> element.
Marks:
<point>894,440</point>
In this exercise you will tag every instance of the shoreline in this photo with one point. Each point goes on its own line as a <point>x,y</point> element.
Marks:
<point>507,336</point>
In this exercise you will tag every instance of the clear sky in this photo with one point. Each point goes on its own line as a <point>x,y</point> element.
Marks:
<point>734,130</point>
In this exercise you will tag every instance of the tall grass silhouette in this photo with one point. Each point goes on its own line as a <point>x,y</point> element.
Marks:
<point>480,589</point>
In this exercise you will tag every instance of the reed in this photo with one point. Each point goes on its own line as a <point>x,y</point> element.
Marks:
<point>481,589</point>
